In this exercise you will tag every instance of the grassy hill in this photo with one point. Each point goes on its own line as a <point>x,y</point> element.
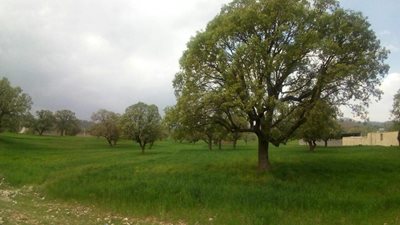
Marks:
<point>186,182</point>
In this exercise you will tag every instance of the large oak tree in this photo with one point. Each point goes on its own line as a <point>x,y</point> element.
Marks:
<point>270,61</point>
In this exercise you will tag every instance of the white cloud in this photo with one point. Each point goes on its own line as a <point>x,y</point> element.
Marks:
<point>380,111</point>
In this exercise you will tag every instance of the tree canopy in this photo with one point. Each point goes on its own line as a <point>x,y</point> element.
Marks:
<point>13,103</point>
<point>270,61</point>
<point>142,123</point>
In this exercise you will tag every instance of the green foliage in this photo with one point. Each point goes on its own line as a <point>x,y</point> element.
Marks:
<point>107,125</point>
<point>66,122</point>
<point>14,105</point>
<point>177,130</point>
<point>194,124</point>
<point>269,62</point>
<point>142,123</point>
<point>185,182</point>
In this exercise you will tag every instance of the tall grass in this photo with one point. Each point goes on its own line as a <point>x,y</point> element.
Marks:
<point>349,185</point>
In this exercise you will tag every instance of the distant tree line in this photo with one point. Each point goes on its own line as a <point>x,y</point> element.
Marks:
<point>62,122</point>
<point>140,122</point>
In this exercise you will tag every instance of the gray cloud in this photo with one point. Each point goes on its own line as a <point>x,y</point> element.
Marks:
<point>85,55</point>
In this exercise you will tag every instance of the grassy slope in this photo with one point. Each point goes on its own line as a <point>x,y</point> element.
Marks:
<point>183,181</point>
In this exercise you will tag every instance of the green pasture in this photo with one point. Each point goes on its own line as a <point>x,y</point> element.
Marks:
<point>187,182</point>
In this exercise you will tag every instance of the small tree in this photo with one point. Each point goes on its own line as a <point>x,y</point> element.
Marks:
<point>220,134</point>
<point>321,124</point>
<point>44,121</point>
<point>333,131</point>
<point>234,137</point>
<point>14,104</point>
<point>106,124</point>
<point>396,113</point>
<point>142,123</point>
<point>66,122</point>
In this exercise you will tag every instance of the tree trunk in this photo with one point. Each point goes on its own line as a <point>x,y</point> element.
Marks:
<point>263,158</point>
<point>209,145</point>
<point>109,142</point>
<point>142,146</point>
<point>398,137</point>
<point>311,145</point>
<point>326,143</point>
<point>234,143</point>
<point>209,142</point>
<point>219,144</point>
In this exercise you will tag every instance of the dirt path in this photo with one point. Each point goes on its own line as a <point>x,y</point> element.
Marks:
<point>26,206</point>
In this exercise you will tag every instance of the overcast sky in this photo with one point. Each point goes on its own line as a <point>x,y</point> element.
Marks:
<point>85,55</point>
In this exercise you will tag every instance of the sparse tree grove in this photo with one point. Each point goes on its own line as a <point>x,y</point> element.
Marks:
<point>270,69</point>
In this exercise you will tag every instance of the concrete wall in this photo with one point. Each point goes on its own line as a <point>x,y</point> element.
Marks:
<point>331,143</point>
<point>351,141</point>
<point>379,138</point>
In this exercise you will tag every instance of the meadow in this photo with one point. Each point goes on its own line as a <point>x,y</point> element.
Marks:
<point>187,182</point>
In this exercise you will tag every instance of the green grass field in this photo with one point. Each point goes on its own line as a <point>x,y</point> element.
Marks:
<point>186,182</point>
